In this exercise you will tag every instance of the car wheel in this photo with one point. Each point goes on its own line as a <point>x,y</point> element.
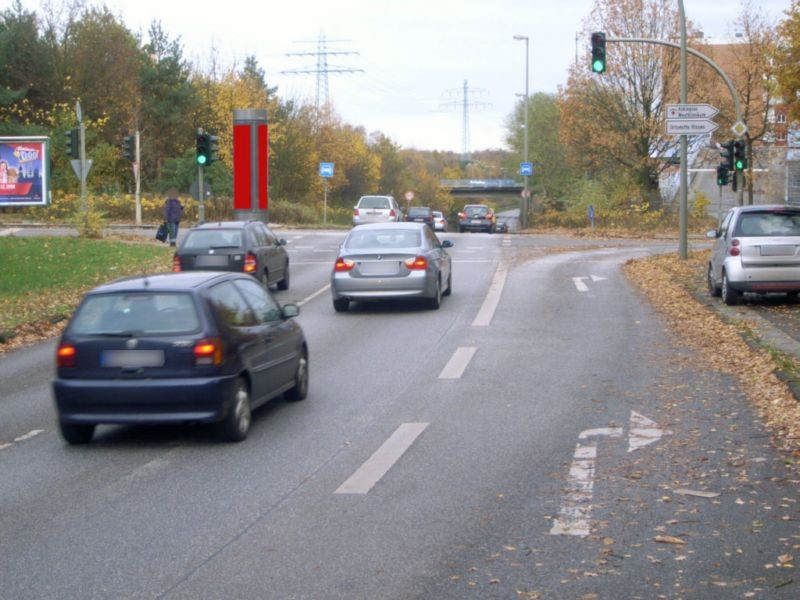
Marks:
<point>283,284</point>
<point>449,289</point>
<point>300,389</point>
<point>713,288</point>
<point>460,230</point>
<point>265,280</point>
<point>436,301</point>
<point>341,304</point>
<point>237,423</point>
<point>730,296</point>
<point>76,434</point>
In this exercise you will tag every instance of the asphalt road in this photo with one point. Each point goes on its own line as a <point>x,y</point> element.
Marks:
<point>541,435</point>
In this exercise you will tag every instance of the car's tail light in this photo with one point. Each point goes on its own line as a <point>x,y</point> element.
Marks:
<point>65,356</point>
<point>417,263</point>
<point>343,265</point>
<point>355,212</point>
<point>489,216</point>
<point>734,249</point>
<point>176,264</point>
<point>208,352</point>
<point>393,213</point>
<point>462,215</point>
<point>250,263</point>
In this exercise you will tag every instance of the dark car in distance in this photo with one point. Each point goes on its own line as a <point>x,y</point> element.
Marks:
<point>171,348</point>
<point>241,246</point>
<point>476,217</point>
<point>420,214</point>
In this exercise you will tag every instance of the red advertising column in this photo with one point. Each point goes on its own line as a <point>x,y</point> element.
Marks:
<point>250,164</point>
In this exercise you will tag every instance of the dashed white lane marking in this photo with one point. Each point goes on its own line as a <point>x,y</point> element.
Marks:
<point>492,298</point>
<point>22,438</point>
<point>308,299</point>
<point>458,363</point>
<point>576,508</point>
<point>581,287</point>
<point>384,458</point>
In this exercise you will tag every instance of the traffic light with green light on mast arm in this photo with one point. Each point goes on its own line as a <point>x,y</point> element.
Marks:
<point>72,143</point>
<point>203,149</point>
<point>598,52</point>
<point>213,148</point>
<point>127,148</point>
<point>722,174</point>
<point>727,154</point>
<point>739,155</point>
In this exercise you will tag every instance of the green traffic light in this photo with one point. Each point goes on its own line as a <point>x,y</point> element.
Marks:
<point>739,165</point>
<point>598,66</point>
<point>201,159</point>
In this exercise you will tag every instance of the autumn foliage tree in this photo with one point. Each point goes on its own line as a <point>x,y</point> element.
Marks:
<point>787,54</point>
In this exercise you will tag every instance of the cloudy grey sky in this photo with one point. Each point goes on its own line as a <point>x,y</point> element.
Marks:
<point>415,54</point>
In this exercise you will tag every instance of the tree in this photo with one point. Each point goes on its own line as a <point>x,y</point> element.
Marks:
<point>788,60</point>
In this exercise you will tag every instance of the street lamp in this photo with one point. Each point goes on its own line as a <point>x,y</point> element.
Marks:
<point>525,191</point>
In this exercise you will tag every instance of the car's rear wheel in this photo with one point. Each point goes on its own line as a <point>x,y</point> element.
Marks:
<point>300,389</point>
<point>713,288</point>
<point>237,423</point>
<point>265,279</point>
<point>449,289</point>
<point>436,301</point>
<point>76,434</point>
<point>341,304</point>
<point>730,296</point>
<point>283,284</point>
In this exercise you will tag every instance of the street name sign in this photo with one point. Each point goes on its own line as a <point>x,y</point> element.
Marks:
<point>690,126</point>
<point>691,111</point>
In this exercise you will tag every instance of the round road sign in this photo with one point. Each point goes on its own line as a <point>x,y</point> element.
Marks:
<point>409,196</point>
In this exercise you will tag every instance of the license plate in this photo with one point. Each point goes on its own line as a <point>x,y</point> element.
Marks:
<point>211,261</point>
<point>132,359</point>
<point>419,220</point>
<point>378,268</point>
<point>778,250</point>
<point>476,221</point>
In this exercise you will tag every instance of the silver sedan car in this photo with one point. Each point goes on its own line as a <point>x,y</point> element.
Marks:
<point>391,260</point>
<point>756,249</point>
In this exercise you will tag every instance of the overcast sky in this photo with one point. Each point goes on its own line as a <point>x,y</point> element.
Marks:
<point>415,54</point>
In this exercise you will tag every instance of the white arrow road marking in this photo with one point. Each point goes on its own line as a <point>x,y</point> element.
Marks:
<point>492,298</point>
<point>379,463</point>
<point>578,281</point>
<point>597,278</point>
<point>458,363</point>
<point>643,432</point>
<point>576,508</point>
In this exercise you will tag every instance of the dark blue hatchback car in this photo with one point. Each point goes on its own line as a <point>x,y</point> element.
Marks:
<point>200,346</point>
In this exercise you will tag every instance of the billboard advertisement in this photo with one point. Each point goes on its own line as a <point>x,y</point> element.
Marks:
<point>24,165</point>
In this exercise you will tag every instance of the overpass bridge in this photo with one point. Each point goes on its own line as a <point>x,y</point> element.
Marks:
<point>482,187</point>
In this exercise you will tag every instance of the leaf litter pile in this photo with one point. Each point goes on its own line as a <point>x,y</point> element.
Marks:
<point>668,283</point>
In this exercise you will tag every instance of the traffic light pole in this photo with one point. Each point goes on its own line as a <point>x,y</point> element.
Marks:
<point>82,160</point>
<point>138,177</point>
<point>201,193</point>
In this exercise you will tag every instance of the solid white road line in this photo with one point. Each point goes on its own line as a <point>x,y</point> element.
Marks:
<point>308,299</point>
<point>458,363</point>
<point>379,463</point>
<point>492,298</point>
<point>28,435</point>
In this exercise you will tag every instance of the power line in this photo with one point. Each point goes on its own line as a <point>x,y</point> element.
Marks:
<point>465,102</point>
<point>322,68</point>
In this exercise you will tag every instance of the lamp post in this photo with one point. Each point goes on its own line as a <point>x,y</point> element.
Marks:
<point>525,192</point>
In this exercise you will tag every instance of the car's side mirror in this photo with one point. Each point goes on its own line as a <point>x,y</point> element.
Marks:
<point>290,310</point>
<point>447,244</point>
<point>282,242</point>
<point>712,234</point>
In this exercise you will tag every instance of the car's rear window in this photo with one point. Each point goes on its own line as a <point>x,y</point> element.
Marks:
<point>374,202</point>
<point>382,239</point>
<point>474,211</point>
<point>768,223</point>
<point>419,211</point>
<point>213,238</point>
<point>139,313</point>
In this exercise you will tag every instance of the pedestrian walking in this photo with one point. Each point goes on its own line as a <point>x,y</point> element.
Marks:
<point>173,211</point>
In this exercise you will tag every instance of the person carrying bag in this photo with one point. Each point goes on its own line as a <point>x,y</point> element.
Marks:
<point>173,211</point>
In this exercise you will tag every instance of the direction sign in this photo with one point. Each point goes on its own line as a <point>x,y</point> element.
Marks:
<point>526,168</point>
<point>691,111</point>
<point>690,126</point>
<point>325,169</point>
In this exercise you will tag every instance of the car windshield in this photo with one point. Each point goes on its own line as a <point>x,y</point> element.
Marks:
<point>382,239</point>
<point>139,313</point>
<point>476,211</point>
<point>374,202</point>
<point>769,223</point>
<point>213,238</point>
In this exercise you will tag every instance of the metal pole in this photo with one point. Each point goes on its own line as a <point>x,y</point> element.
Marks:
<point>525,192</point>
<point>138,176</point>
<point>201,194</point>
<point>82,157</point>
<point>325,205</point>
<point>684,178</point>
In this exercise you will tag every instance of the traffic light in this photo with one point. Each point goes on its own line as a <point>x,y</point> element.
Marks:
<point>127,148</point>
<point>598,52</point>
<point>203,149</point>
<point>722,174</point>
<point>739,155</point>
<point>727,154</point>
<point>213,148</point>
<point>72,142</point>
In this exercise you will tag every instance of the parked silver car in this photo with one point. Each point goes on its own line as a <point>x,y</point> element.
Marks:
<point>756,249</point>
<point>376,209</point>
<point>391,260</point>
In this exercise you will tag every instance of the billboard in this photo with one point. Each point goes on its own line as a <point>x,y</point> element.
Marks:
<point>24,164</point>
